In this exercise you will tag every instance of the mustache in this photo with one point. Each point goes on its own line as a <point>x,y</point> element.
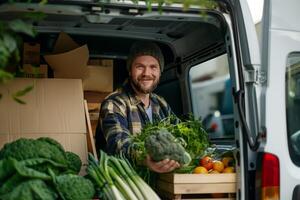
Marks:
<point>147,78</point>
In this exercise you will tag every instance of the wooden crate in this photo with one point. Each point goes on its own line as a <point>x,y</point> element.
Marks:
<point>200,186</point>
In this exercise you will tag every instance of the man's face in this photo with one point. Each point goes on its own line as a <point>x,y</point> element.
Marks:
<point>145,74</point>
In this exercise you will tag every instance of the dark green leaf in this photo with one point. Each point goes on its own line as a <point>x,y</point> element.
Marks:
<point>6,168</point>
<point>5,76</point>
<point>19,100</point>
<point>10,184</point>
<point>24,91</point>
<point>31,189</point>
<point>22,27</point>
<point>9,42</point>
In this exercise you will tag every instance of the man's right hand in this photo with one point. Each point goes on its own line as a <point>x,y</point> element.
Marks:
<point>163,166</point>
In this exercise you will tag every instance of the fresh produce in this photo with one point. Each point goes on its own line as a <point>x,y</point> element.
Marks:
<point>73,161</point>
<point>115,179</point>
<point>24,148</point>
<point>73,187</point>
<point>228,170</point>
<point>218,166</point>
<point>228,161</point>
<point>30,189</point>
<point>200,170</point>
<point>207,162</point>
<point>217,161</point>
<point>41,169</point>
<point>190,134</point>
<point>163,145</point>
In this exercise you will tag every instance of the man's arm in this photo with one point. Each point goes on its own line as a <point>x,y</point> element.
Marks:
<point>114,127</point>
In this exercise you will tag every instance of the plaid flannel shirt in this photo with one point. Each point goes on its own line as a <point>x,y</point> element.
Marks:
<point>122,114</point>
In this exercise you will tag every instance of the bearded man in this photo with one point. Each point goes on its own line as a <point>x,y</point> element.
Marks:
<point>127,110</point>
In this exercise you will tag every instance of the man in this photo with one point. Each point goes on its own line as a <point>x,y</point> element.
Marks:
<point>127,110</point>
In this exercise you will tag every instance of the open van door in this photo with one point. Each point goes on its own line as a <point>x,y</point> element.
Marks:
<point>279,163</point>
<point>247,78</point>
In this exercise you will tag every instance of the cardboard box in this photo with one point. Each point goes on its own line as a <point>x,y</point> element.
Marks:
<point>54,108</point>
<point>100,76</point>
<point>31,53</point>
<point>68,60</point>
<point>35,72</point>
<point>175,186</point>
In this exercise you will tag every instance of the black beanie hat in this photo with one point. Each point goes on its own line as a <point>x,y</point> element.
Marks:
<point>145,49</point>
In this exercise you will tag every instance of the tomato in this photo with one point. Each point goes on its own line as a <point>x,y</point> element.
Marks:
<point>218,166</point>
<point>206,162</point>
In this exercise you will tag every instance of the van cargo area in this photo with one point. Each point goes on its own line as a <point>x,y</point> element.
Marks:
<point>77,42</point>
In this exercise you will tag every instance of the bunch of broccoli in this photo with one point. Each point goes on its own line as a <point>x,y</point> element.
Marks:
<point>163,145</point>
<point>41,169</point>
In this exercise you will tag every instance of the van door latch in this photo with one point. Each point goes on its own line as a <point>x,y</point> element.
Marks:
<point>255,76</point>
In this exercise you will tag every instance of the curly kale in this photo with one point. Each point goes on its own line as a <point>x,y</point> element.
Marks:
<point>30,189</point>
<point>162,145</point>
<point>73,187</point>
<point>23,149</point>
<point>33,169</point>
<point>74,162</point>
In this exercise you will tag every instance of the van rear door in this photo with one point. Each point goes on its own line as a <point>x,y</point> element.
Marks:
<point>244,56</point>
<point>280,109</point>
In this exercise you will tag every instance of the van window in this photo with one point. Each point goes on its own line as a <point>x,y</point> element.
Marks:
<point>293,105</point>
<point>211,97</point>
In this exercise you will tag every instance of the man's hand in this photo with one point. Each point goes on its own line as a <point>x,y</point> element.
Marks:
<point>163,166</point>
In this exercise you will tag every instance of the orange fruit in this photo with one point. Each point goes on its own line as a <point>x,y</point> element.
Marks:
<point>206,162</point>
<point>218,166</point>
<point>200,170</point>
<point>227,161</point>
<point>228,170</point>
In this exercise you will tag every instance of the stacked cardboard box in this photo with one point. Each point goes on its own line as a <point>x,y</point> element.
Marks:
<point>54,108</point>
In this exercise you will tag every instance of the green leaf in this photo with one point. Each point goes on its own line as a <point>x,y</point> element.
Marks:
<point>160,6</point>
<point>5,76</point>
<point>24,91</point>
<point>36,16</point>
<point>20,93</point>
<point>19,100</point>
<point>9,42</point>
<point>43,2</point>
<point>149,5</point>
<point>22,27</point>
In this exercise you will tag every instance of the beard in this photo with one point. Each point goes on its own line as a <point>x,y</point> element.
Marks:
<point>142,88</point>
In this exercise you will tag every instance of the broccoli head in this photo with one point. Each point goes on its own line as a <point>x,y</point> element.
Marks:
<point>162,145</point>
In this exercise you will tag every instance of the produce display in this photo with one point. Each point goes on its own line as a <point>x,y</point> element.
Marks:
<point>41,169</point>
<point>215,164</point>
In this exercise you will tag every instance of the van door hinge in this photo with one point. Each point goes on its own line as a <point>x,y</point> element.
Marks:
<point>255,76</point>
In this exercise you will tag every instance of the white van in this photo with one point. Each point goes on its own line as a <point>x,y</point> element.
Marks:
<point>264,105</point>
